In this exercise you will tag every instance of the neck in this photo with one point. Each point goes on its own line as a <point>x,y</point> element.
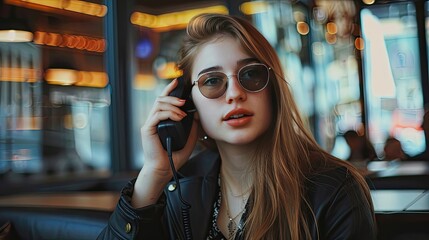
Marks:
<point>237,178</point>
<point>232,209</point>
<point>235,167</point>
<point>238,156</point>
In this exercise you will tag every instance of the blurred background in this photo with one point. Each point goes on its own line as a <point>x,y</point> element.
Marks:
<point>77,78</point>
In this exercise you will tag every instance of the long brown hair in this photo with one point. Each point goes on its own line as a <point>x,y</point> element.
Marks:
<point>284,151</point>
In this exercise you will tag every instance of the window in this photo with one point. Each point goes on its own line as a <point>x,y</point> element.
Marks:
<point>393,90</point>
<point>54,92</point>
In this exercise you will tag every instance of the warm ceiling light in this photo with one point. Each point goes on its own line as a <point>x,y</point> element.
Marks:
<point>331,28</point>
<point>67,77</point>
<point>174,20</point>
<point>83,7</point>
<point>368,2</point>
<point>18,74</point>
<point>88,8</point>
<point>330,38</point>
<point>255,7</point>
<point>92,79</point>
<point>359,43</point>
<point>302,28</point>
<point>70,41</point>
<point>15,36</point>
<point>61,76</point>
<point>168,70</point>
<point>13,29</point>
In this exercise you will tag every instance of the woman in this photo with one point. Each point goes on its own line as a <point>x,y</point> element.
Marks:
<point>265,177</point>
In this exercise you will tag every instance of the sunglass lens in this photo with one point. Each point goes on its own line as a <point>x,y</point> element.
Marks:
<point>254,77</point>
<point>213,85</point>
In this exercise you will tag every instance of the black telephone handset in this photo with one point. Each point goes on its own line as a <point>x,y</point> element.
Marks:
<point>173,136</point>
<point>178,131</point>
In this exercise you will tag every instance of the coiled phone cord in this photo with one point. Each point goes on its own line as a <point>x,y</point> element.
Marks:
<point>185,205</point>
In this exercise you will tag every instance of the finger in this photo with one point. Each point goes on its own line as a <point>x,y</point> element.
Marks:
<point>161,116</point>
<point>170,100</point>
<point>164,115</point>
<point>169,87</point>
<point>163,106</point>
<point>165,103</point>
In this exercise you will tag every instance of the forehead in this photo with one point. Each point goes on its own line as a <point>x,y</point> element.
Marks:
<point>224,52</point>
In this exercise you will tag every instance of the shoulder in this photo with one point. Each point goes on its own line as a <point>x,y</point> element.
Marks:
<point>336,185</point>
<point>328,182</point>
<point>328,175</point>
<point>340,205</point>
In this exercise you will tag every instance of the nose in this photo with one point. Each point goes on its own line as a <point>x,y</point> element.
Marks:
<point>234,91</point>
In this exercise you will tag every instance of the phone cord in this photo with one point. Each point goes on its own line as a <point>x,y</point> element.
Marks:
<point>185,205</point>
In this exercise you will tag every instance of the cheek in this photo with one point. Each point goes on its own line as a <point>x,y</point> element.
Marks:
<point>206,114</point>
<point>206,123</point>
<point>208,120</point>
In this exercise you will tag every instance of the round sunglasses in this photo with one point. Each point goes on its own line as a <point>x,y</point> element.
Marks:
<point>253,77</point>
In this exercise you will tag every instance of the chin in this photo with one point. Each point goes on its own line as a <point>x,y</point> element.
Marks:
<point>242,140</point>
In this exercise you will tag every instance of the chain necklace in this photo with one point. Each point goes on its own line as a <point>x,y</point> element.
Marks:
<point>232,225</point>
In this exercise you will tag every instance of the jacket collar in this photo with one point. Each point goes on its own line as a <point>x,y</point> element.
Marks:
<point>203,164</point>
<point>199,188</point>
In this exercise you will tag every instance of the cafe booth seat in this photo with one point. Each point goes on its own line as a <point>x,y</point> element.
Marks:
<point>75,210</point>
<point>51,223</point>
<point>56,215</point>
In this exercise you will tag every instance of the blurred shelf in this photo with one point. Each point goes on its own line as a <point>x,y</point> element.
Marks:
<point>105,201</point>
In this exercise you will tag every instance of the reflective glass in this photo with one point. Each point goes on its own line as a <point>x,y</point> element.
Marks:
<point>54,96</point>
<point>392,78</point>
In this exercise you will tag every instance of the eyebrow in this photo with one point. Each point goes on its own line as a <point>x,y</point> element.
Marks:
<point>240,62</point>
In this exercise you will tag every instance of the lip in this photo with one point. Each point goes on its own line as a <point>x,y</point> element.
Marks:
<point>237,122</point>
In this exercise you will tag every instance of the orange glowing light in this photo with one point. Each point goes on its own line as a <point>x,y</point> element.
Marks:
<point>359,43</point>
<point>83,7</point>
<point>302,28</point>
<point>331,28</point>
<point>18,74</point>
<point>70,41</point>
<point>173,20</point>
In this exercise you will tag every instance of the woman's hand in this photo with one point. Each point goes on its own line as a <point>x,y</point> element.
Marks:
<point>156,171</point>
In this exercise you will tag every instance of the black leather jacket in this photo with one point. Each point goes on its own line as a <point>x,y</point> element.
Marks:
<point>334,197</point>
